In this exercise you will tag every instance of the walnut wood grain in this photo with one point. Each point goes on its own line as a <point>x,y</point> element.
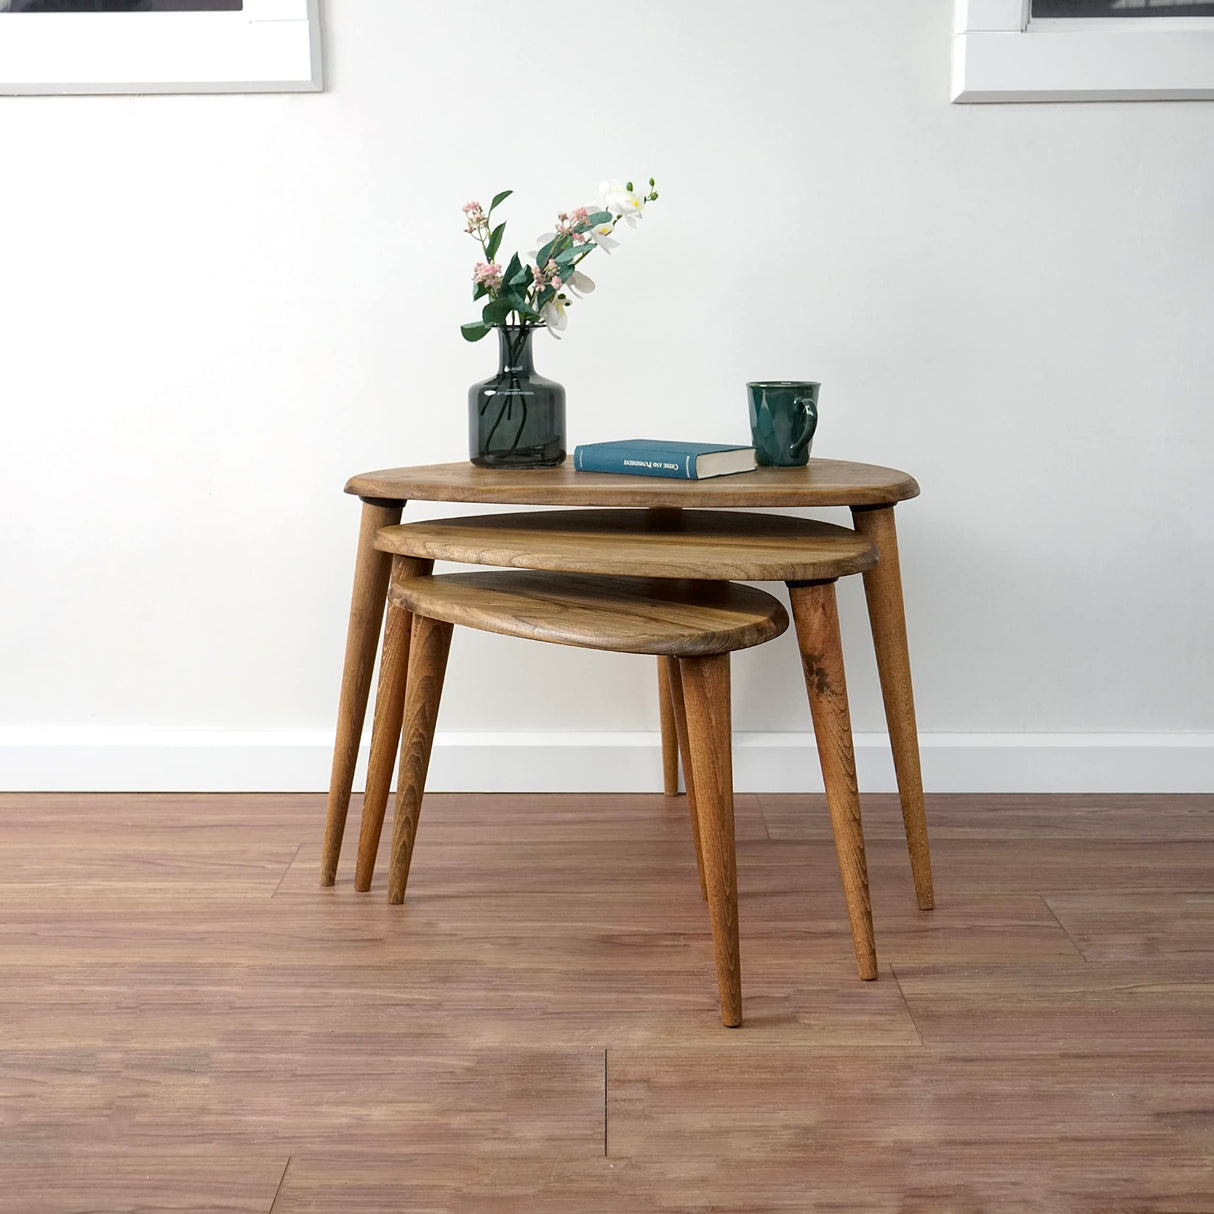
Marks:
<point>679,732</point>
<point>386,724</point>
<point>385,740</point>
<point>705,685</point>
<point>371,569</point>
<point>670,743</point>
<point>721,544</point>
<point>823,482</point>
<point>817,623</point>
<point>617,614</point>
<point>428,649</point>
<point>883,591</point>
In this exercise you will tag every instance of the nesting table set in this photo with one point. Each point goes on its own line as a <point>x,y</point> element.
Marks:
<point>641,565</point>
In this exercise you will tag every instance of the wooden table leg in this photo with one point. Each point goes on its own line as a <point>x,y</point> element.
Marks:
<point>706,695</point>
<point>667,518</point>
<point>670,747</point>
<point>679,711</point>
<point>817,623</point>
<point>386,723</point>
<point>428,649</point>
<point>883,589</point>
<point>371,569</point>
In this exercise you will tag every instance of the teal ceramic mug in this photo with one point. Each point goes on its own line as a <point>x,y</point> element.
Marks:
<point>783,418</point>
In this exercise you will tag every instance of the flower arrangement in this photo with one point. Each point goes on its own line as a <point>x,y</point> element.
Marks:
<point>534,292</point>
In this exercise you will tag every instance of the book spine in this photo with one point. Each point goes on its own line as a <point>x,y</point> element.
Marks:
<point>676,464</point>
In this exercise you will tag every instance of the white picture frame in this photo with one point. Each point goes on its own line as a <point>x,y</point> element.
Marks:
<point>1001,55</point>
<point>270,46</point>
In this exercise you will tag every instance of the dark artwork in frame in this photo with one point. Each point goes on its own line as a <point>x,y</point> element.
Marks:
<point>121,6</point>
<point>1123,8</point>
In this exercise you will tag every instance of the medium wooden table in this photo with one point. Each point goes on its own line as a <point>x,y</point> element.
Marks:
<point>871,492</point>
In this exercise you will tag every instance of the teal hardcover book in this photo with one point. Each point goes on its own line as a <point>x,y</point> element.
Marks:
<point>658,457</point>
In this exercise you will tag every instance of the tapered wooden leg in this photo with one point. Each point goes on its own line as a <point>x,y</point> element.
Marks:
<point>385,727</point>
<point>706,695</point>
<point>679,712</point>
<point>817,623</point>
<point>366,614</point>
<point>428,649</point>
<point>670,748</point>
<point>883,589</point>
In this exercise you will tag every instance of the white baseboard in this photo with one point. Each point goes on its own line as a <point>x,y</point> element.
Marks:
<point>297,760</point>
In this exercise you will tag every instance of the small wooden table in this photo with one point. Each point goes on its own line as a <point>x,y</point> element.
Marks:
<point>871,492</point>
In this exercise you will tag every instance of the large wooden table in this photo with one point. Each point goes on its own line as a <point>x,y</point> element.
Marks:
<point>871,492</point>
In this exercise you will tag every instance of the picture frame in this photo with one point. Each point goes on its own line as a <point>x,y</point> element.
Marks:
<point>264,46</point>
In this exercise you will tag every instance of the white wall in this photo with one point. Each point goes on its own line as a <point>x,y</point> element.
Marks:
<point>218,307</point>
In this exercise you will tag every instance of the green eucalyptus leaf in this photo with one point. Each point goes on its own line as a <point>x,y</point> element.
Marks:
<point>517,275</point>
<point>502,198</point>
<point>565,256</point>
<point>545,254</point>
<point>473,330</point>
<point>598,217</point>
<point>495,240</point>
<point>497,310</point>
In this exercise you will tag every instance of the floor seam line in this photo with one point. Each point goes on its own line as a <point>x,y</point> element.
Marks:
<point>906,1004</point>
<point>281,1179</point>
<point>285,871</point>
<point>605,1102</point>
<point>1075,943</point>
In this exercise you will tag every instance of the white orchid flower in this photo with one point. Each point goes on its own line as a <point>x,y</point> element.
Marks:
<point>554,316</point>
<point>620,200</point>
<point>601,235</point>
<point>579,283</point>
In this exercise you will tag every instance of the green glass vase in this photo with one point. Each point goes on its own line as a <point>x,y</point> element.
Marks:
<point>516,419</point>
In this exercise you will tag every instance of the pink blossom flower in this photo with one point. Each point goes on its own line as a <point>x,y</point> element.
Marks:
<point>580,214</point>
<point>478,223</point>
<point>547,277</point>
<point>487,275</point>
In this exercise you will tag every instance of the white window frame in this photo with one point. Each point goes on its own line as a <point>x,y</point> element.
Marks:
<point>999,54</point>
<point>270,46</point>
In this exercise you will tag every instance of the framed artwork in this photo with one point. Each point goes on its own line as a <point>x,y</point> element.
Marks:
<point>1083,50</point>
<point>159,46</point>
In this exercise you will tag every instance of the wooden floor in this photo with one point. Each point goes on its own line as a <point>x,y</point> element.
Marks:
<point>188,1023</point>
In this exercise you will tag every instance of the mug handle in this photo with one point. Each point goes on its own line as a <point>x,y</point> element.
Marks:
<point>800,402</point>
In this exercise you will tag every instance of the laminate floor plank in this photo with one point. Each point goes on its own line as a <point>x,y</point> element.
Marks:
<point>508,1003</point>
<point>569,928</point>
<point>1138,927</point>
<point>286,1098</point>
<point>26,817</point>
<point>1106,817</point>
<point>920,1131</point>
<point>1043,866</point>
<point>1111,1007</point>
<point>118,1180</point>
<point>183,1009</point>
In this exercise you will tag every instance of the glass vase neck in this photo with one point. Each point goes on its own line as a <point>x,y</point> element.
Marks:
<point>514,348</point>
